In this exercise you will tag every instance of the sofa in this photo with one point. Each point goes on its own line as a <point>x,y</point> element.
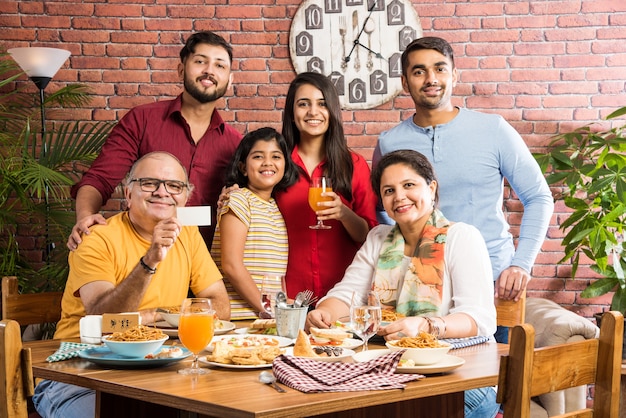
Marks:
<point>556,325</point>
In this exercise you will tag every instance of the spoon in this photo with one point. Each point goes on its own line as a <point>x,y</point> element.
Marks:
<point>269,379</point>
<point>299,300</point>
<point>281,299</point>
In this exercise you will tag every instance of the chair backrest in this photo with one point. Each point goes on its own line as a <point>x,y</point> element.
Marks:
<point>16,373</point>
<point>528,372</point>
<point>509,312</point>
<point>29,308</point>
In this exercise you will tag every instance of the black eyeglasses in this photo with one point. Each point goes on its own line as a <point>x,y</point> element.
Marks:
<point>152,185</point>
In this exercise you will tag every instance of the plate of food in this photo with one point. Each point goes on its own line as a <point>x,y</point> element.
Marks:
<point>304,348</point>
<point>259,326</point>
<point>240,355</point>
<point>333,337</point>
<point>250,341</point>
<point>102,355</point>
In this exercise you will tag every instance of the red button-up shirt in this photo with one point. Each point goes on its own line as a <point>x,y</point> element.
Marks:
<point>160,126</point>
<point>319,258</point>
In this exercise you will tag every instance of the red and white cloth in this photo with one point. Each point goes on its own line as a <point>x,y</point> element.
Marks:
<point>309,375</point>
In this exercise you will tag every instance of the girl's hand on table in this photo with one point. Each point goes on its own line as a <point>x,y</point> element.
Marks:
<point>318,318</point>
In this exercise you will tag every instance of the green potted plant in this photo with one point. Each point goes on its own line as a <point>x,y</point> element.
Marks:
<point>590,165</point>
<point>34,187</point>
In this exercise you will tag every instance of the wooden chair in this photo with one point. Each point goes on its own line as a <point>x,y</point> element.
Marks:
<point>510,313</point>
<point>16,374</point>
<point>29,308</point>
<point>528,372</point>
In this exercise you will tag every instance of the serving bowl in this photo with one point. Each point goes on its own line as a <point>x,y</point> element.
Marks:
<point>421,356</point>
<point>171,318</point>
<point>134,349</point>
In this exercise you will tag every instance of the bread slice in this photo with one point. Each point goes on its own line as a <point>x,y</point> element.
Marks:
<point>302,347</point>
<point>333,336</point>
<point>263,324</point>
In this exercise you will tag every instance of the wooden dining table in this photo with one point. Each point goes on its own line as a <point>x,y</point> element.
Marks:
<point>224,392</point>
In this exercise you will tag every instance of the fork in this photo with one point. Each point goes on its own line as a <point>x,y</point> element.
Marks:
<point>343,29</point>
<point>308,298</point>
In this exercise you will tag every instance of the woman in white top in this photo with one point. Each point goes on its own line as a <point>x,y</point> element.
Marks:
<point>435,272</point>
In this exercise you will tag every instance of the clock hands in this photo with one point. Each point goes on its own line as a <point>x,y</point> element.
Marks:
<point>367,27</point>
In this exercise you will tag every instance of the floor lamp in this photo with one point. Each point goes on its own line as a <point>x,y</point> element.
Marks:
<point>41,64</point>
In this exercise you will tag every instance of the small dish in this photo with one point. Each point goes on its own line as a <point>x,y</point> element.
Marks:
<point>134,349</point>
<point>446,364</point>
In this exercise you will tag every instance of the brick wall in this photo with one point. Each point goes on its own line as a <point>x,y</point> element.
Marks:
<point>546,66</point>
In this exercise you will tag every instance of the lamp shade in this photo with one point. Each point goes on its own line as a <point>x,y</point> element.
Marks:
<point>39,61</point>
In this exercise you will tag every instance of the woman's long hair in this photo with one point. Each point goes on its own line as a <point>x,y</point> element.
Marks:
<point>339,166</point>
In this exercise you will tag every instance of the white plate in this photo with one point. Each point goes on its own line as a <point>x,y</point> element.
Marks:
<point>282,341</point>
<point>347,353</point>
<point>103,356</point>
<point>234,366</point>
<point>254,331</point>
<point>447,364</point>
<point>173,332</point>
<point>349,343</point>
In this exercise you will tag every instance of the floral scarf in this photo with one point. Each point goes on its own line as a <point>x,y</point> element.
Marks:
<point>416,290</point>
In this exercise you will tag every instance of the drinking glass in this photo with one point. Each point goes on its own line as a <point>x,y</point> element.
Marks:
<point>195,330</point>
<point>365,316</point>
<point>270,286</point>
<point>318,186</point>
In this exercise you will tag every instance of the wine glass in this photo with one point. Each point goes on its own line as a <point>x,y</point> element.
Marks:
<point>318,186</point>
<point>195,330</point>
<point>270,286</point>
<point>365,315</point>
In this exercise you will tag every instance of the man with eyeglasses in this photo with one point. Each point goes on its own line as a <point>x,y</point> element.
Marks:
<point>141,260</point>
<point>189,127</point>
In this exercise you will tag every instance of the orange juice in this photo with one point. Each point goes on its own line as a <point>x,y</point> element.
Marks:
<point>195,331</point>
<point>315,196</point>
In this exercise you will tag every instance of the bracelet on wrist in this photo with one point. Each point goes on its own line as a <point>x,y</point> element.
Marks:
<point>146,267</point>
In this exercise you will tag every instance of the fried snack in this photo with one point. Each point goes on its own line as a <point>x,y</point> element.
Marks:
<point>302,347</point>
<point>252,356</point>
<point>389,315</point>
<point>138,333</point>
<point>423,340</point>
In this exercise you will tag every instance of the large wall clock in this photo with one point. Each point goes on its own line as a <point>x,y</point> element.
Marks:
<point>357,43</point>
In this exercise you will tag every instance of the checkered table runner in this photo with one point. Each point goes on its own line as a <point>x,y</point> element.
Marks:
<point>309,375</point>
<point>68,350</point>
<point>465,342</point>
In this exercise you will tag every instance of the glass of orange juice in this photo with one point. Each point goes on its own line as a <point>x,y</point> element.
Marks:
<point>318,186</point>
<point>195,330</point>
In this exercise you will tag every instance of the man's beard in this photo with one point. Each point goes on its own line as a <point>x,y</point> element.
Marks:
<point>200,95</point>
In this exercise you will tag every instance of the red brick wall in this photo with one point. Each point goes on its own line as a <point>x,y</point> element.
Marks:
<point>546,66</point>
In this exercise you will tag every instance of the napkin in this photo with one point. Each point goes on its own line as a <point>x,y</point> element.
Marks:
<point>310,375</point>
<point>465,342</point>
<point>68,350</point>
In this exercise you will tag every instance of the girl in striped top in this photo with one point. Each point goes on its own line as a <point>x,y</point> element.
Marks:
<point>250,245</point>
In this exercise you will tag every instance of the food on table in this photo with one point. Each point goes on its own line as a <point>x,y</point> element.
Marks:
<point>406,363</point>
<point>226,353</point>
<point>303,348</point>
<point>423,340</point>
<point>263,326</point>
<point>168,352</point>
<point>138,333</point>
<point>389,315</point>
<point>329,336</point>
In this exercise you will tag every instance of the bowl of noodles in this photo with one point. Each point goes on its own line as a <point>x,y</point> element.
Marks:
<point>421,350</point>
<point>135,342</point>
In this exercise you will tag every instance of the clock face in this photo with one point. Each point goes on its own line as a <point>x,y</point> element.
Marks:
<point>357,44</point>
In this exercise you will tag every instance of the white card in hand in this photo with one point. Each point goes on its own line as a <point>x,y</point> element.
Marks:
<point>194,215</point>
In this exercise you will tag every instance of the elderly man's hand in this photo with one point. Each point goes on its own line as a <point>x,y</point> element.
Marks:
<point>163,238</point>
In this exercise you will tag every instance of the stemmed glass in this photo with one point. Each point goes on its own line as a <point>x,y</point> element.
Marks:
<point>195,330</point>
<point>318,186</point>
<point>365,316</point>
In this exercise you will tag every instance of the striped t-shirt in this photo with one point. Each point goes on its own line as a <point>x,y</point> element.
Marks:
<point>266,250</point>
